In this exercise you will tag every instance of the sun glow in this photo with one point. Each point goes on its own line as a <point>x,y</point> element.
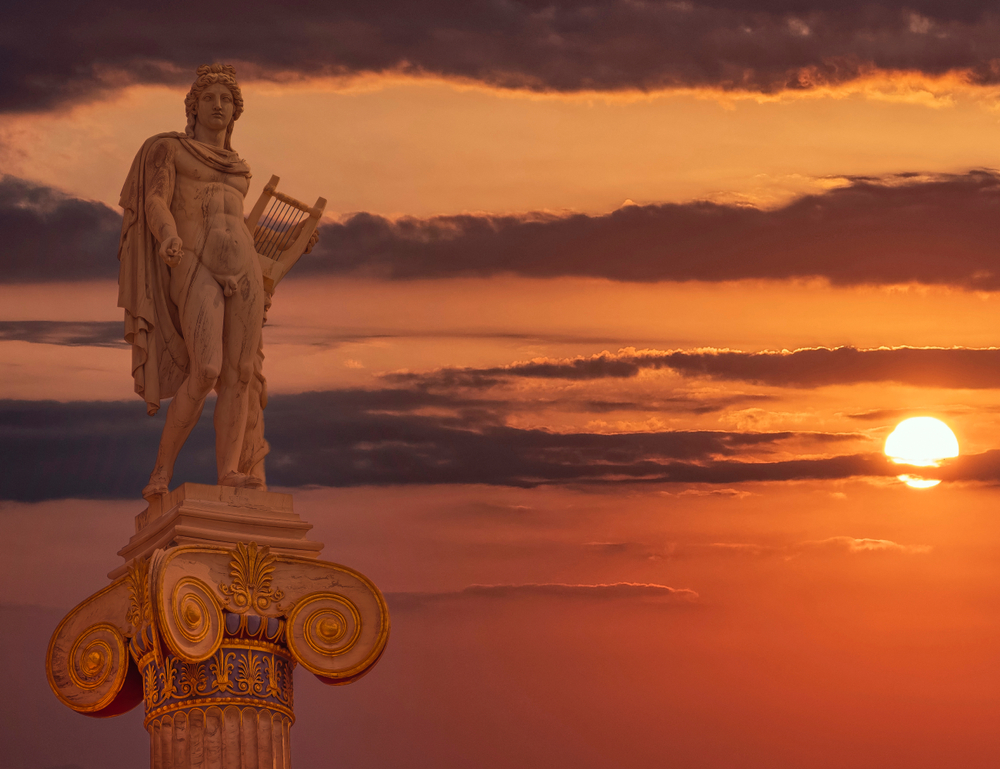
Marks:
<point>921,442</point>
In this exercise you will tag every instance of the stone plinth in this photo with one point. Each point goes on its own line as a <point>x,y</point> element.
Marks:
<point>197,514</point>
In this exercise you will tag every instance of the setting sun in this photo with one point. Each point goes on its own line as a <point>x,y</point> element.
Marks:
<point>921,442</point>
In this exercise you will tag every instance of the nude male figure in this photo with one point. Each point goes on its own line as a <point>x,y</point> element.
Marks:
<point>202,328</point>
<point>196,213</point>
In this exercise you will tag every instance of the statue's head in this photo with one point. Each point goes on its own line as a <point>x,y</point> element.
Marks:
<point>209,75</point>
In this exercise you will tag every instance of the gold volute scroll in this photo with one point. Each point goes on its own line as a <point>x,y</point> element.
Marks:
<point>87,663</point>
<point>251,569</point>
<point>191,619</point>
<point>322,628</point>
<point>97,655</point>
<point>338,633</point>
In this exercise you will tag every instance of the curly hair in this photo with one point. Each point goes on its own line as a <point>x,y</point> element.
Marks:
<point>210,74</point>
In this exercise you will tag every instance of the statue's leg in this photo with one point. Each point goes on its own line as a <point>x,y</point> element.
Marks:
<point>202,318</point>
<point>244,314</point>
<point>255,448</point>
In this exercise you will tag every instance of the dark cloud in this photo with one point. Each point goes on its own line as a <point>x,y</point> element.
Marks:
<point>57,51</point>
<point>355,437</point>
<point>67,333</point>
<point>321,443</point>
<point>616,591</point>
<point>703,403</point>
<point>961,368</point>
<point>49,236</point>
<point>899,229</point>
<point>983,467</point>
<point>873,231</point>
<point>53,450</point>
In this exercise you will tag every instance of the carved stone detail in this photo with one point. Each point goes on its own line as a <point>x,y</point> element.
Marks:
<point>140,608</point>
<point>251,569</point>
<point>190,619</point>
<point>208,637</point>
<point>337,620</point>
<point>87,662</point>
<point>259,676</point>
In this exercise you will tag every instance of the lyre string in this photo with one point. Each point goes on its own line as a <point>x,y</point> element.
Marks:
<point>263,225</point>
<point>279,230</point>
<point>286,241</point>
<point>276,227</point>
<point>273,230</point>
<point>258,227</point>
<point>282,227</point>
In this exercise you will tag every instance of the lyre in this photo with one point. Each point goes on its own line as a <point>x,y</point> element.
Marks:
<point>274,237</point>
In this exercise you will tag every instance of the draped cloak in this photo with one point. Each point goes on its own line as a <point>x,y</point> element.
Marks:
<point>152,321</point>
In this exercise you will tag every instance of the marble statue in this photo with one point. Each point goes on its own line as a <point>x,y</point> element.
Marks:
<point>192,288</point>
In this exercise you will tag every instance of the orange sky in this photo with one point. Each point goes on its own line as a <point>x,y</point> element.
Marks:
<point>426,147</point>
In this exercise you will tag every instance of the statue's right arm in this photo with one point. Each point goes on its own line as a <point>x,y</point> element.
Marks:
<point>160,175</point>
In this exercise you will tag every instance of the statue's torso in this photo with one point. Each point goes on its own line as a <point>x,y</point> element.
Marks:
<point>207,205</point>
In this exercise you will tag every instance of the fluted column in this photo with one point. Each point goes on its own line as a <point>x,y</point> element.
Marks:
<point>220,738</point>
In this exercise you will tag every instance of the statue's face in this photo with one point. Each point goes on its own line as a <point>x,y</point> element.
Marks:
<point>215,107</point>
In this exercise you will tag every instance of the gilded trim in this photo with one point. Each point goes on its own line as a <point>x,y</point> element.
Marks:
<point>221,703</point>
<point>96,662</point>
<point>381,636</point>
<point>240,674</point>
<point>49,675</point>
<point>190,612</point>
<point>246,643</point>
<point>232,643</point>
<point>210,612</point>
<point>251,569</point>
<point>140,608</point>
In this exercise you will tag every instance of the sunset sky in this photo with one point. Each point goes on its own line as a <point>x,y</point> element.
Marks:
<point>614,306</point>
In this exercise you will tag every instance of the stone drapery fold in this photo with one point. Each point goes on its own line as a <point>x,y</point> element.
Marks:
<point>152,322</point>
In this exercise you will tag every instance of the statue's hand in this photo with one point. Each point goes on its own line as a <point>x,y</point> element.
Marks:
<point>313,240</point>
<point>171,251</point>
<point>296,230</point>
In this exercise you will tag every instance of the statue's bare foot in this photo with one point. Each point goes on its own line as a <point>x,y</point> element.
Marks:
<point>235,479</point>
<point>157,485</point>
<point>255,483</point>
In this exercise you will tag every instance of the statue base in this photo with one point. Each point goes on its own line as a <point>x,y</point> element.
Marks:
<point>198,514</point>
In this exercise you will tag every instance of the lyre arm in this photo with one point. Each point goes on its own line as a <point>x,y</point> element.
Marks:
<point>261,203</point>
